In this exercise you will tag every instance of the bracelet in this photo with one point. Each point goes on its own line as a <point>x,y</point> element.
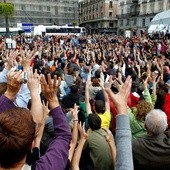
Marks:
<point>74,120</point>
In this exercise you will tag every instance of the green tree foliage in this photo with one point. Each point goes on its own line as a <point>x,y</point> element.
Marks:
<point>6,9</point>
<point>74,23</point>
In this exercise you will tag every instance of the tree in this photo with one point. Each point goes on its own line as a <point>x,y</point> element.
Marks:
<point>7,10</point>
<point>74,24</point>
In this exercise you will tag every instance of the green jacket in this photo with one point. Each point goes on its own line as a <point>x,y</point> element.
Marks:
<point>137,126</point>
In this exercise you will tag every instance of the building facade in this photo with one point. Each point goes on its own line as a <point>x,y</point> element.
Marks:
<point>98,16</point>
<point>43,12</point>
<point>135,15</point>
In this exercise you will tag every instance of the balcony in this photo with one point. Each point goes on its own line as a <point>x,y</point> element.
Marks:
<point>121,16</point>
<point>134,13</point>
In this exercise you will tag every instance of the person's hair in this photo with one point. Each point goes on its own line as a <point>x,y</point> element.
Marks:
<point>97,73</point>
<point>111,65</point>
<point>78,81</point>
<point>100,106</point>
<point>3,88</point>
<point>71,71</point>
<point>94,121</point>
<point>17,131</point>
<point>156,122</point>
<point>143,108</point>
<point>160,99</point>
<point>74,89</point>
<point>134,86</point>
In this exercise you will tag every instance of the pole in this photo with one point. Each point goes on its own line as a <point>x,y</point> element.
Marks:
<point>6,24</point>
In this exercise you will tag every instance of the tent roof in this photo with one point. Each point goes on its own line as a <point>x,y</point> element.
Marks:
<point>162,18</point>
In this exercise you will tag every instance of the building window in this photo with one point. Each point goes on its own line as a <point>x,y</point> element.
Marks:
<point>23,7</point>
<point>110,14</point>
<point>48,8</point>
<point>40,8</point>
<point>128,10</point>
<point>97,7</point>
<point>127,21</point>
<point>135,21</point>
<point>121,22</point>
<point>65,9</point>
<point>143,22</point>
<point>121,11</point>
<point>110,24</point>
<point>110,4</point>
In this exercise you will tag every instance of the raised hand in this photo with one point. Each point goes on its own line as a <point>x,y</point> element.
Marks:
<point>120,98</point>
<point>13,84</point>
<point>120,77</point>
<point>74,112</point>
<point>33,85</point>
<point>26,59</point>
<point>45,112</point>
<point>11,59</point>
<point>83,134</point>
<point>33,81</point>
<point>50,89</point>
<point>145,83</point>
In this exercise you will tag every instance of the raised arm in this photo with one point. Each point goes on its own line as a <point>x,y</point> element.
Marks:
<point>106,99</point>
<point>10,59</point>
<point>13,86</point>
<point>111,142</point>
<point>123,133</point>
<point>74,132</point>
<point>146,94</point>
<point>40,127</point>
<point>87,97</point>
<point>78,152</point>
<point>36,105</point>
<point>56,156</point>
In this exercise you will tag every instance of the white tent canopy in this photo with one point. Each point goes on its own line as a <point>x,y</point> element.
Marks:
<point>161,22</point>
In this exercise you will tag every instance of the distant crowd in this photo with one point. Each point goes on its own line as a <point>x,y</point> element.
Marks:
<point>98,102</point>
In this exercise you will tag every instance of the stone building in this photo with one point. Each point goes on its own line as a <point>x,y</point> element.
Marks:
<point>98,16</point>
<point>43,12</point>
<point>135,15</point>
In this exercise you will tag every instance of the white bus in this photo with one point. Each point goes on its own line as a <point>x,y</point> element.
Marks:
<point>12,31</point>
<point>58,30</point>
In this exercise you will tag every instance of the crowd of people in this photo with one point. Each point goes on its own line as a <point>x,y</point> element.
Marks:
<point>98,102</point>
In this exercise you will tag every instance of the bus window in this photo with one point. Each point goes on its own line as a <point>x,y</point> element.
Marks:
<point>77,30</point>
